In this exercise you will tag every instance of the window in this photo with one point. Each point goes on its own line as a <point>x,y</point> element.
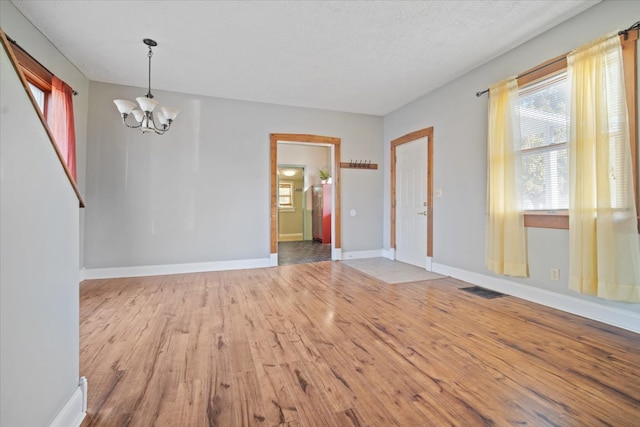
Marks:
<point>543,113</point>
<point>285,195</point>
<point>39,95</point>
<point>543,151</point>
<point>54,99</point>
<point>38,78</point>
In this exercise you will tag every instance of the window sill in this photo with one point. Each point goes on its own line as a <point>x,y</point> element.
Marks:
<point>287,209</point>
<point>544,219</point>
<point>558,220</point>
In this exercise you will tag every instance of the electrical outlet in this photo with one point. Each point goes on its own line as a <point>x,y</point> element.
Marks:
<point>555,274</point>
<point>438,192</point>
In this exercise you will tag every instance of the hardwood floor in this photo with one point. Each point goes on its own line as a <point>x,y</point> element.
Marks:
<point>325,345</point>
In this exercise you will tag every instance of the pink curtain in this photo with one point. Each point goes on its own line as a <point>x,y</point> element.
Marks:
<point>61,123</point>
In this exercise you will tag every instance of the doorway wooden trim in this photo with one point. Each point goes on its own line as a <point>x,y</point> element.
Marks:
<point>427,132</point>
<point>303,138</point>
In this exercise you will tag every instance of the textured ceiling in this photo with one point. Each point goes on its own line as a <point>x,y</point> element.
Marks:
<point>357,56</point>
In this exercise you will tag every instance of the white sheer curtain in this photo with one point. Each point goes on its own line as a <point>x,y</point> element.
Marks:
<point>604,248</point>
<point>506,244</point>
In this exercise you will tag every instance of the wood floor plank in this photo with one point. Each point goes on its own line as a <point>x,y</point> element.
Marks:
<point>325,345</point>
<point>277,403</point>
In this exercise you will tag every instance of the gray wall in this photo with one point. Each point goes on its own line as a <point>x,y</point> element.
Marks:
<point>460,129</point>
<point>154,200</point>
<point>16,26</point>
<point>39,223</point>
<point>40,255</point>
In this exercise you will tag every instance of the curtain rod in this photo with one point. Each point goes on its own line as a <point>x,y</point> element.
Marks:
<point>38,62</point>
<point>635,26</point>
<point>527,73</point>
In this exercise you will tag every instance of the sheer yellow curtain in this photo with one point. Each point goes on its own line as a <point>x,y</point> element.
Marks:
<point>604,251</point>
<point>506,244</point>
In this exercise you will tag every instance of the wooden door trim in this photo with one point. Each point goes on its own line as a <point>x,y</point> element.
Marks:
<point>427,132</point>
<point>303,138</point>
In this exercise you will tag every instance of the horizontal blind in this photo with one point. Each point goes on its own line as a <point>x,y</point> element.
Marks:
<point>620,163</point>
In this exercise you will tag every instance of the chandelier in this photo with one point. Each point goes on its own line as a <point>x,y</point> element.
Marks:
<point>145,120</point>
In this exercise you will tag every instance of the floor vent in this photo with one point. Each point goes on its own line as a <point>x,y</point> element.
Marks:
<point>482,292</point>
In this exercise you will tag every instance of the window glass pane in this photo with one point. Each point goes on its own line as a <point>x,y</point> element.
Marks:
<point>543,112</point>
<point>545,179</point>
<point>285,201</point>
<point>285,194</point>
<point>38,94</point>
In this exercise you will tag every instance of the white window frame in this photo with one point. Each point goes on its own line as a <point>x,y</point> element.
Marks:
<point>289,207</point>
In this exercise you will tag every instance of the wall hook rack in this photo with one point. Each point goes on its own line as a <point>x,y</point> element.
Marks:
<point>358,164</point>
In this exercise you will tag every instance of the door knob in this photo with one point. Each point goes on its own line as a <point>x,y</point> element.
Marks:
<point>423,213</point>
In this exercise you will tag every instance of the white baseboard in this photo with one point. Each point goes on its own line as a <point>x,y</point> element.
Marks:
<point>273,260</point>
<point>362,254</point>
<point>428,264</point>
<point>84,388</point>
<point>389,253</point>
<point>336,254</point>
<point>613,316</point>
<point>74,411</point>
<point>160,270</point>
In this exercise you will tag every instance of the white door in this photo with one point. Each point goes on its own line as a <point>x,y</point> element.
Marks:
<point>411,202</point>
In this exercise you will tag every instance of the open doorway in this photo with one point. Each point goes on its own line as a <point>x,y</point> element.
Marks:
<point>298,241</point>
<point>284,240</point>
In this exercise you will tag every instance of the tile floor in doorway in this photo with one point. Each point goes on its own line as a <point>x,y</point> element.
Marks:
<point>391,271</point>
<point>303,252</point>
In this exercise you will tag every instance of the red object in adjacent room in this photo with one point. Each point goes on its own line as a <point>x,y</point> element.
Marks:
<point>321,213</point>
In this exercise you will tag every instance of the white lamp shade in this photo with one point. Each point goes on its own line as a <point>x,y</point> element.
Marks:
<point>138,114</point>
<point>161,118</point>
<point>170,113</point>
<point>124,106</point>
<point>146,104</point>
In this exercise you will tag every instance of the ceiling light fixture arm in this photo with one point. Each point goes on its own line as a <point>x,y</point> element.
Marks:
<point>148,119</point>
<point>124,121</point>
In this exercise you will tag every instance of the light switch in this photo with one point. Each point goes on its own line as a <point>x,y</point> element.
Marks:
<point>438,192</point>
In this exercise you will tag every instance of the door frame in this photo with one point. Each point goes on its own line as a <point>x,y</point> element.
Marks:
<point>428,133</point>
<point>333,143</point>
